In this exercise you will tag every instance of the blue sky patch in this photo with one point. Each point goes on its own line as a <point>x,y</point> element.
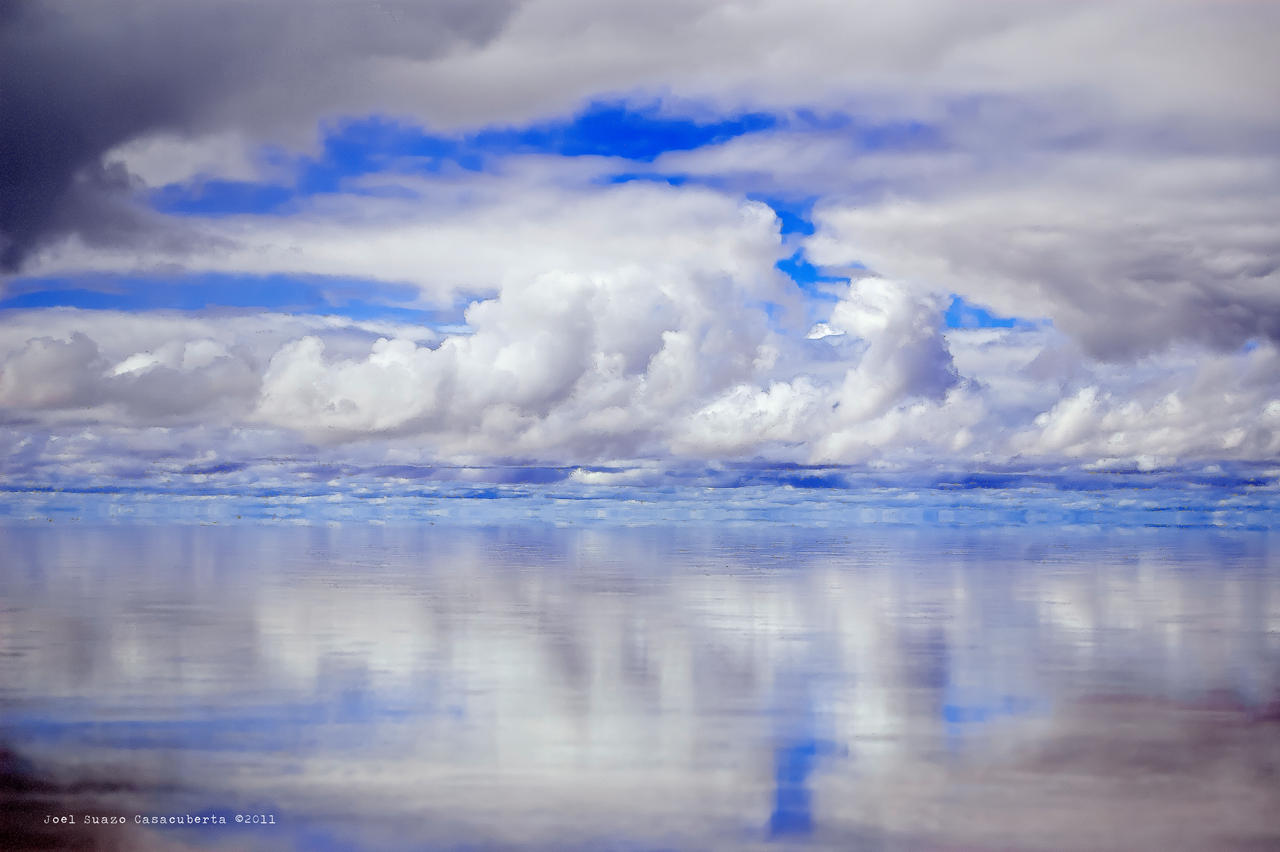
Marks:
<point>964,314</point>
<point>352,298</point>
<point>617,130</point>
<point>795,217</point>
<point>356,147</point>
<point>651,177</point>
<point>808,276</point>
<point>222,198</point>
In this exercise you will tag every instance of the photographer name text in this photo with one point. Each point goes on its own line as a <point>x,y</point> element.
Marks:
<point>160,819</point>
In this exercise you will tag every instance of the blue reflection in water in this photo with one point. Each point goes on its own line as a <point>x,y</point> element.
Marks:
<point>792,800</point>
<point>802,733</point>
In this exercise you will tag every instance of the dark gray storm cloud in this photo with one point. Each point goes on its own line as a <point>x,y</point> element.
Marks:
<point>79,78</point>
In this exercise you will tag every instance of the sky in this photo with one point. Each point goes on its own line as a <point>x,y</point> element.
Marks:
<point>611,242</point>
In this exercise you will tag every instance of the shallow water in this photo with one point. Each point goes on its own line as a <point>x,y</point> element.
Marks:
<point>662,687</point>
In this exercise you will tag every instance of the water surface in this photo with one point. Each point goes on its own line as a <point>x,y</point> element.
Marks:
<point>662,687</point>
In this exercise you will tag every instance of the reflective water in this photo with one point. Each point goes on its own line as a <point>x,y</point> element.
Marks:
<point>665,687</point>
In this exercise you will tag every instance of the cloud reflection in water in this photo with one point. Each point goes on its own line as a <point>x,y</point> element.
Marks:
<point>661,687</point>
